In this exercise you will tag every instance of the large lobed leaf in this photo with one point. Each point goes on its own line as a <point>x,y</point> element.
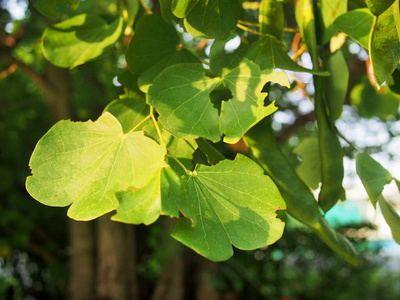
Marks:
<point>230,203</point>
<point>85,163</point>
<point>79,39</point>
<point>181,94</point>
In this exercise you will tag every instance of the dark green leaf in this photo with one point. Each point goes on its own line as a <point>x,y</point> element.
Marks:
<point>55,8</point>
<point>391,217</point>
<point>384,50</point>
<point>357,25</point>
<point>85,163</point>
<point>213,19</point>
<point>153,41</point>
<point>230,203</point>
<point>331,153</point>
<point>377,7</point>
<point>79,39</point>
<point>335,86</point>
<point>373,176</point>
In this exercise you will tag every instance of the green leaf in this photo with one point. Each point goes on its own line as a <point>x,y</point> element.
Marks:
<point>357,25</point>
<point>128,111</point>
<point>180,56</point>
<point>230,203</point>
<point>300,201</point>
<point>304,13</point>
<point>377,7</point>
<point>181,94</point>
<point>155,45</point>
<point>328,11</point>
<point>370,103</point>
<point>384,47</point>
<point>162,195</point>
<point>331,153</point>
<point>391,217</point>
<point>396,15</point>
<point>213,19</point>
<point>246,108</point>
<point>268,52</point>
<point>79,39</point>
<point>335,86</point>
<point>85,163</point>
<point>166,11</point>
<point>180,149</point>
<point>271,18</point>
<point>373,176</point>
<point>55,8</point>
<point>181,8</point>
<point>309,169</point>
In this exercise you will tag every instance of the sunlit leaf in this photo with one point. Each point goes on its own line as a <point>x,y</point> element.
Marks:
<point>373,176</point>
<point>384,50</point>
<point>181,94</point>
<point>85,163</point>
<point>79,39</point>
<point>230,203</point>
<point>161,195</point>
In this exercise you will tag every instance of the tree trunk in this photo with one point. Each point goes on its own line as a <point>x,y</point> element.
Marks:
<point>82,260</point>
<point>116,260</point>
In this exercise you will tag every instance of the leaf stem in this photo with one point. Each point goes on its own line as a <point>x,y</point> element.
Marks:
<point>146,7</point>
<point>347,141</point>
<point>204,61</point>
<point>248,29</point>
<point>249,23</point>
<point>140,123</point>
<point>156,125</point>
<point>180,164</point>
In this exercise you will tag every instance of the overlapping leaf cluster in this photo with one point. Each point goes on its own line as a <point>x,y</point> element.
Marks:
<point>137,157</point>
